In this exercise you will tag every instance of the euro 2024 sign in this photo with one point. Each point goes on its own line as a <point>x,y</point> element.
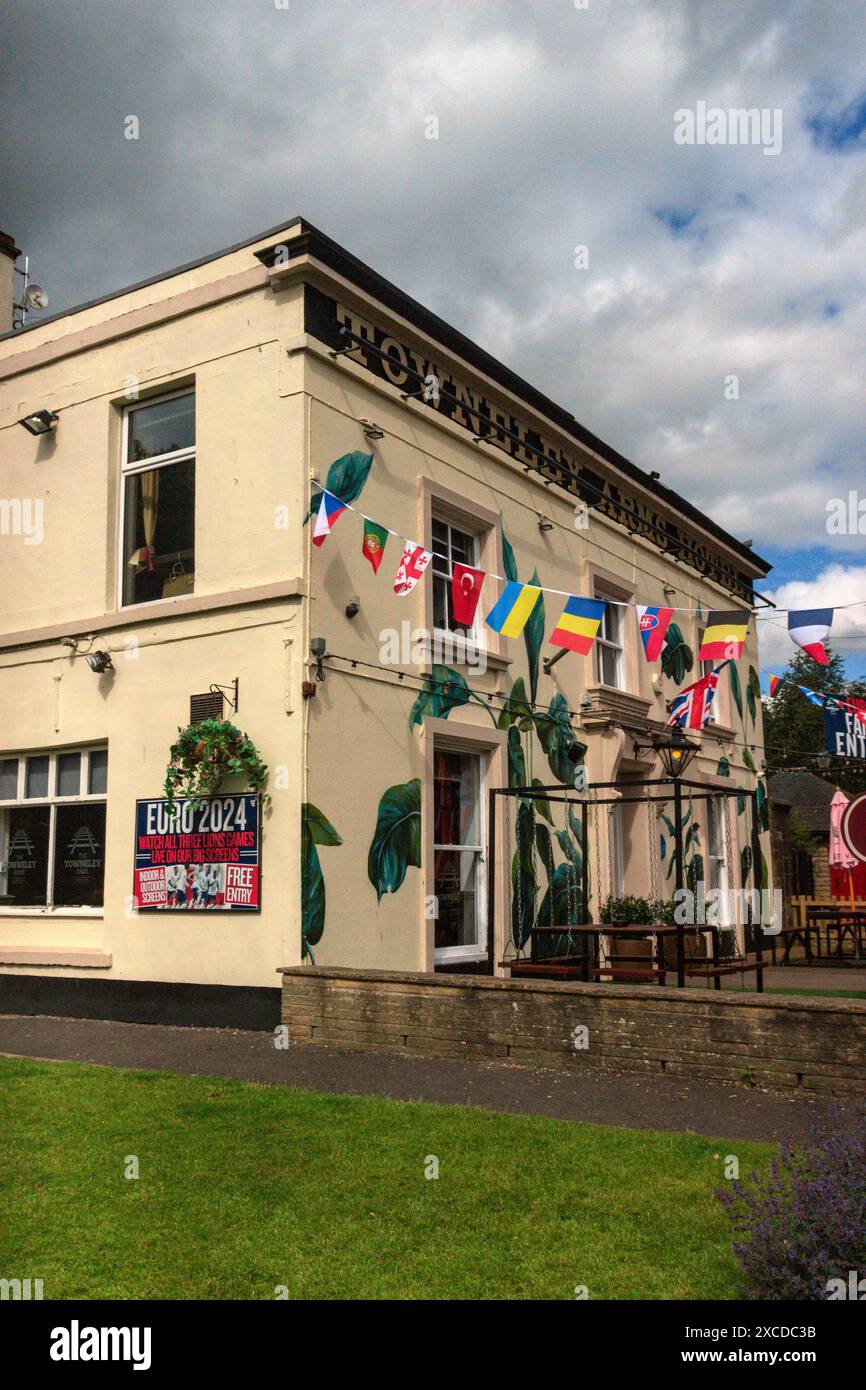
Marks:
<point>196,859</point>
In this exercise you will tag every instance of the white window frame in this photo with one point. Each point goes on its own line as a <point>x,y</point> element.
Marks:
<point>463,644</point>
<point>476,951</point>
<point>129,467</point>
<point>52,799</point>
<point>602,643</point>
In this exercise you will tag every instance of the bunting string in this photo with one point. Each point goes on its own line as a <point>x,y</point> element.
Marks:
<point>724,635</point>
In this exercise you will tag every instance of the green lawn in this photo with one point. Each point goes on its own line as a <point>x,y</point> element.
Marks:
<point>823,993</point>
<point>243,1188</point>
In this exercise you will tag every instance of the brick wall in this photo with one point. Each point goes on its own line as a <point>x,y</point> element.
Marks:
<point>816,1045</point>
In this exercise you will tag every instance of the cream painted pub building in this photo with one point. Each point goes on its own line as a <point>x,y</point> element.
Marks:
<point>156,566</point>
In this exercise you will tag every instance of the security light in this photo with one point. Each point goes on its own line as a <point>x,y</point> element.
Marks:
<point>99,661</point>
<point>40,422</point>
<point>319,648</point>
<point>353,607</point>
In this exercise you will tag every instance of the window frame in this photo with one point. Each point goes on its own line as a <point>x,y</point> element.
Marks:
<point>130,468</point>
<point>472,637</point>
<point>477,951</point>
<point>602,643</point>
<point>53,800</point>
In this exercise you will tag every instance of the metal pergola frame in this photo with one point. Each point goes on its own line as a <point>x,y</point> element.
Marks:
<point>560,793</point>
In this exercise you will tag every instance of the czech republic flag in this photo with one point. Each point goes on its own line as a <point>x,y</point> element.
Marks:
<point>330,508</point>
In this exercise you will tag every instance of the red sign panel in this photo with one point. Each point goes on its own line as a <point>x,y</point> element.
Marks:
<point>854,826</point>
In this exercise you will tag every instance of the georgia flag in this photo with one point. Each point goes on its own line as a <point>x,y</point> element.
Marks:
<point>413,563</point>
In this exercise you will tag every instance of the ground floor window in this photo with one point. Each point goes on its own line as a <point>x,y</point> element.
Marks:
<point>52,828</point>
<point>458,834</point>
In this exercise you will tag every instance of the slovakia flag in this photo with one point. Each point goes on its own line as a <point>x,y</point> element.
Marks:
<point>654,624</point>
<point>413,563</point>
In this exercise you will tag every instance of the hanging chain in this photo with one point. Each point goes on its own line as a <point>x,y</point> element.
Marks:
<point>652,817</point>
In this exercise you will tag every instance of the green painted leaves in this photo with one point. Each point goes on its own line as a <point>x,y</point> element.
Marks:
<point>724,767</point>
<point>677,658</point>
<point>346,478</point>
<point>557,736</point>
<point>753,693</point>
<point>444,690</point>
<point>397,842</point>
<point>516,709</point>
<point>533,636</point>
<point>316,829</point>
<point>736,688</point>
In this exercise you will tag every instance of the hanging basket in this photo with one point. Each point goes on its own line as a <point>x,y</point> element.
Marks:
<point>205,755</point>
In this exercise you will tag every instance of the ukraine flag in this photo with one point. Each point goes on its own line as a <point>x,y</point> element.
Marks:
<point>510,614</point>
<point>578,626</point>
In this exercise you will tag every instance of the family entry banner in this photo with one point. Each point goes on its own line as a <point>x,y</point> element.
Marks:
<point>845,727</point>
<point>197,859</point>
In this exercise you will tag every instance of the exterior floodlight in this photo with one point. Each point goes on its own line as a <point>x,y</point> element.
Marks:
<point>40,422</point>
<point>99,662</point>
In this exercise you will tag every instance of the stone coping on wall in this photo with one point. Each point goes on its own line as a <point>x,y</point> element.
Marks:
<point>783,1043</point>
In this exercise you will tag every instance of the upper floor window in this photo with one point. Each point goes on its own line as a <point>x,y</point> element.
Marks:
<point>158,523</point>
<point>450,546</point>
<point>610,663</point>
<point>52,828</point>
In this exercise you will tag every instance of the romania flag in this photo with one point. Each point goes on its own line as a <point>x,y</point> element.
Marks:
<point>578,625</point>
<point>724,636</point>
<point>510,613</point>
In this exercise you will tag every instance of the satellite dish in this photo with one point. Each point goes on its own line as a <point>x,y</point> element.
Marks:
<point>35,297</point>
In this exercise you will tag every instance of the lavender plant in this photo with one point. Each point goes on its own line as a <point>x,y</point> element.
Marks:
<point>804,1224</point>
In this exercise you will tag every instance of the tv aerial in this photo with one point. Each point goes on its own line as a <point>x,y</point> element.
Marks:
<point>33,297</point>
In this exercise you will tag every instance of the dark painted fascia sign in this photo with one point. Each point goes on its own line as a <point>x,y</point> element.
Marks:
<point>197,859</point>
<point>853,826</point>
<point>845,731</point>
<point>405,366</point>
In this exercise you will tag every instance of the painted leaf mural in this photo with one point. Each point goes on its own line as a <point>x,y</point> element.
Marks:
<point>396,845</point>
<point>316,829</point>
<point>523,882</point>
<point>724,767</point>
<point>533,636</point>
<point>557,736</point>
<point>346,478</point>
<point>516,760</point>
<point>516,709</point>
<point>736,688</point>
<point>444,690</point>
<point>561,904</point>
<point>677,658</point>
<point>753,692</point>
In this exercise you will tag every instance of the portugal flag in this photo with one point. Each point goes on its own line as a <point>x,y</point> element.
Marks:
<point>373,544</point>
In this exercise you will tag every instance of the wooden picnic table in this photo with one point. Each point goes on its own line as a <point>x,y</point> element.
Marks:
<point>845,921</point>
<point>629,967</point>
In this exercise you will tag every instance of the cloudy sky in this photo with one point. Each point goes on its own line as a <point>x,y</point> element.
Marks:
<point>556,125</point>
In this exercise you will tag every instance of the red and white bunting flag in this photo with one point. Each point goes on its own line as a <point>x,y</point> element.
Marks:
<point>413,563</point>
<point>465,593</point>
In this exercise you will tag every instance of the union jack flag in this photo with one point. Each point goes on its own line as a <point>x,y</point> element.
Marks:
<point>691,708</point>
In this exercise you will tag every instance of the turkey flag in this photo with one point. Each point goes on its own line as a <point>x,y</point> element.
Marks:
<point>465,593</point>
